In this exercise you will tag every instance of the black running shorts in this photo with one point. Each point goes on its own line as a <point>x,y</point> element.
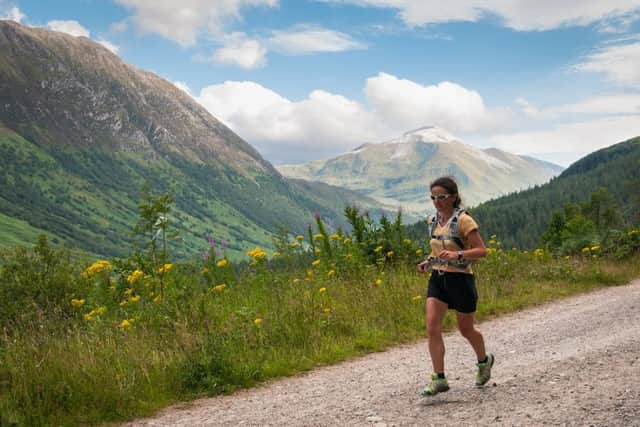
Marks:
<point>458,290</point>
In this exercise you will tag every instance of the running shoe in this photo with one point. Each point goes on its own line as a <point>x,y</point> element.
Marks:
<point>437,385</point>
<point>484,370</point>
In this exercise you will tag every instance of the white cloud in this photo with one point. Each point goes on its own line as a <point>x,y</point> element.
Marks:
<point>13,14</point>
<point>311,39</point>
<point>182,22</point>
<point>577,139</point>
<point>523,15</point>
<point>76,29</point>
<point>241,51</point>
<point>184,87</point>
<point>407,104</point>
<point>321,125</point>
<point>70,27</point>
<point>325,124</point>
<point>619,62</point>
<point>613,104</point>
<point>112,47</point>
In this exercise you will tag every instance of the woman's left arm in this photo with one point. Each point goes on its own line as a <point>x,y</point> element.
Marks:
<point>476,246</point>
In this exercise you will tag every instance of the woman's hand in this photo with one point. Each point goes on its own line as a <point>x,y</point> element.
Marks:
<point>448,255</point>
<point>422,267</point>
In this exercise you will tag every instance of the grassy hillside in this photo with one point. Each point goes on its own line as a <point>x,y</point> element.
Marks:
<point>88,199</point>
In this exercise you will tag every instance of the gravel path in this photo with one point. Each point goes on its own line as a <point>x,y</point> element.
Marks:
<point>570,362</point>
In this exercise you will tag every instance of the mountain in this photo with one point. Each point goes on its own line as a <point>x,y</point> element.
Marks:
<point>520,219</point>
<point>81,132</point>
<point>398,172</point>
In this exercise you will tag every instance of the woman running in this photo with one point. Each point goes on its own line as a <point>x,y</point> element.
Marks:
<point>455,242</point>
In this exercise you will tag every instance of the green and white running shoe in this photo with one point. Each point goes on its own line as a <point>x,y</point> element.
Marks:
<point>437,385</point>
<point>484,370</point>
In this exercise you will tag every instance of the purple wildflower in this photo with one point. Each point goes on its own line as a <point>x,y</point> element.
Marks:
<point>211,241</point>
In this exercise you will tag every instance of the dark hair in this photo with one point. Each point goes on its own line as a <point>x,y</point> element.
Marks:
<point>449,184</point>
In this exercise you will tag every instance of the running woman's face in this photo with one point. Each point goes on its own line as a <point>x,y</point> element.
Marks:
<point>442,200</point>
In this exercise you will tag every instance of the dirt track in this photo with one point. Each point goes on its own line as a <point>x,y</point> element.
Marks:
<point>571,362</point>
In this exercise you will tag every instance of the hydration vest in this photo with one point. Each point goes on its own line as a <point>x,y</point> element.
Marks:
<point>453,235</point>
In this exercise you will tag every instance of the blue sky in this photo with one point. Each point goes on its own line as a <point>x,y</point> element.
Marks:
<point>310,79</point>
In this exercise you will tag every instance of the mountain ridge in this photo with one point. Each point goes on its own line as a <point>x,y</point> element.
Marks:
<point>81,132</point>
<point>398,171</point>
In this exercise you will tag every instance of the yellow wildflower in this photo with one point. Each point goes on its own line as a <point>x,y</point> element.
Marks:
<point>253,263</point>
<point>407,241</point>
<point>595,248</point>
<point>318,236</point>
<point>165,268</point>
<point>322,290</point>
<point>123,303</point>
<point>378,249</point>
<point>77,302</point>
<point>296,281</point>
<point>331,273</point>
<point>299,238</point>
<point>378,282</point>
<point>257,253</point>
<point>258,321</point>
<point>128,291</point>
<point>315,262</point>
<point>294,244</point>
<point>100,310</point>
<point>204,270</point>
<point>327,310</point>
<point>222,263</point>
<point>125,324</point>
<point>88,317</point>
<point>585,249</point>
<point>309,273</point>
<point>417,298</point>
<point>567,257</point>
<point>317,251</point>
<point>538,252</point>
<point>418,251</point>
<point>334,237</point>
<point>219,288</point>
<point>277,254</point>
<point>98,267</point>
<point>633,232</point>
<point>157,299</point>
<point>347,241</point>
<point>135,298</point>
<point>389,254</point>
<point>133,277</point>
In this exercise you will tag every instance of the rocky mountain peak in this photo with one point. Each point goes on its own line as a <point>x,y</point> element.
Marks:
<point>429,134</point>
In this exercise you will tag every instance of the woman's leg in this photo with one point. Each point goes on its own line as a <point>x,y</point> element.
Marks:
<point>467,329</point>
<point>436,310</point>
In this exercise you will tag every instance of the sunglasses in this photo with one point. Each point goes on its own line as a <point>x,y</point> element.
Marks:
<point>440,197</point>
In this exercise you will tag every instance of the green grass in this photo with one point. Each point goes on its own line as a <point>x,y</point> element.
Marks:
<point>58,369</point>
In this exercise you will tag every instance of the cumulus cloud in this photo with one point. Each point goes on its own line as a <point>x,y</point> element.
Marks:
<point>182,22</point>
<point>619,62</point>
<point>70,27</point>
<point>320,125</point>
<point>112,47</point>
<point>572,139</point>
<point>324,124</point>
<point>13,14</point>
<point>311,39</point>
<point>184,87</point>
<point>76,29</point>
<point>406,104</point>
<point>242,51</point>
<point>522,15</point>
